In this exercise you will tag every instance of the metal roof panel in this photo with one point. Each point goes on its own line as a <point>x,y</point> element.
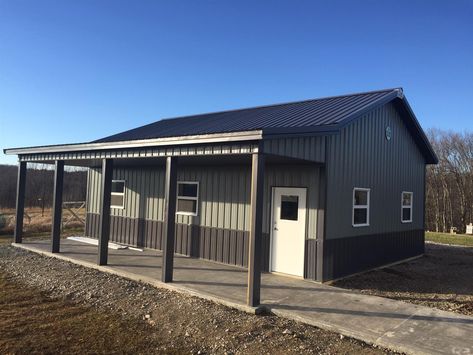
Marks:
<point>302,114</point>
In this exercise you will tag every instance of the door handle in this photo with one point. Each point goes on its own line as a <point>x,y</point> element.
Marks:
<point>276,228</point>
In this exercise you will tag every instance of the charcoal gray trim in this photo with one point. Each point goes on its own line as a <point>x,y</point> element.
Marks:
<point>20,202</point>
<point>310,263</point>
<point>156,142</point>
<point>57,207</point>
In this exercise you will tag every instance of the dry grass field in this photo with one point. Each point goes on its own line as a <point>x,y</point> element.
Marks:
<point>36,221</point>
<point>32,322</point>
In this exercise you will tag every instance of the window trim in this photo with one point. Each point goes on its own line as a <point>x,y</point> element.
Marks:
<point>196,199</point>
<point>122,207</point>
<point>367,207</point>
<point>411,206</point>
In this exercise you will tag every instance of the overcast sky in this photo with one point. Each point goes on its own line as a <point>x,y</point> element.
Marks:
<point>75,71</point>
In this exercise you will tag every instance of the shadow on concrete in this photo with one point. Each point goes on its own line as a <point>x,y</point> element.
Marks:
<point>372,314</point>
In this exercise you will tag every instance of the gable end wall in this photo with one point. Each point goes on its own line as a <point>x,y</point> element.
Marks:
<point>361,156</point>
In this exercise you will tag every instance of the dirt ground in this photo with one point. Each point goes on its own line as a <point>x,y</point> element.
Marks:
<point>50,306</point>
<point>442,279</point>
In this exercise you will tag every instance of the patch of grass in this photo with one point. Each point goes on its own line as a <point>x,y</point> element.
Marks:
<point>30,322</point>
<point>6,239</point>
<point>451,239</point>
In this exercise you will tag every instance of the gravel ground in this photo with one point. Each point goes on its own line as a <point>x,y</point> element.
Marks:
<point>181,323</point>
<point>442,279</point>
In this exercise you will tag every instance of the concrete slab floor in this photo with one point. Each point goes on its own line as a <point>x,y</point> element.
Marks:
<point>388,323</point>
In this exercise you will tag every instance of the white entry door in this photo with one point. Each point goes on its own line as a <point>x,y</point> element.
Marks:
<point>288,230</point>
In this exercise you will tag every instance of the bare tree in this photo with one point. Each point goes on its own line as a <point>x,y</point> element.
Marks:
<point>449,190</point>
<point>39,185</point>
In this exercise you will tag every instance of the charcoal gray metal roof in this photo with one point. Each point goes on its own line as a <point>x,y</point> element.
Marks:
<point>317,115</point>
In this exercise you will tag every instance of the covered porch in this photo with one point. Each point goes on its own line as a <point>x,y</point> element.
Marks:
<point>248,151</point>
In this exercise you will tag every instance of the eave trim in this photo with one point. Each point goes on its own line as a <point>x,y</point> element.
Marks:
<point>183,140</point>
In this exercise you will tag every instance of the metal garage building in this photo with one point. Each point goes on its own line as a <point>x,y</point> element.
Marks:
<point>318,189</point>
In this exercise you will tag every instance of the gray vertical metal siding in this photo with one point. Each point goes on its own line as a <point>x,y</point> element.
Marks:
<point>346,256</point>
<point>223,196</point>
<point>223,193</point>
<point>87,204</point>
<point>146,182</point>
<point>220,231</point>
<point>361,156</point>
<point>307,148</point>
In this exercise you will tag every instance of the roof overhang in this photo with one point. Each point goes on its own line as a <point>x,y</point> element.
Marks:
<point>416,130</point>
<point>399,99</point>
<point>170,141</point>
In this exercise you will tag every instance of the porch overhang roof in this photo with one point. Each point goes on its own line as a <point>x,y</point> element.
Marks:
<point>142,143</point>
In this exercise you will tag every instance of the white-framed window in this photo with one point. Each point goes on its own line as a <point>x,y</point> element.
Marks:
<point>406,206</point>
<point>118,194</point>
<point>361,207</point>
<point>187,198</point>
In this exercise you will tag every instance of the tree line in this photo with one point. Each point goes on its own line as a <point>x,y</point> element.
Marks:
<point>40,184</point>
<point>449,184</point>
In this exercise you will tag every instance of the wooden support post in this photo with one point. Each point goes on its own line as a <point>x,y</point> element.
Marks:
<point>20,201</point>
<point>104,231</point>
<point>254,253</point>
<point>170,194</point>
<point>57,206</point>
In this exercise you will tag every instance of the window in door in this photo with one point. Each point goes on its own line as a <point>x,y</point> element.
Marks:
<point>289,207</point>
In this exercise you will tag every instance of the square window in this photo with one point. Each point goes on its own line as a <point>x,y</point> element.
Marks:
<point>406,199</point>
<point>406,206</point>
<point>406,214</point>
<point>361,197</point>
<point>188,206</point>
<point>361,207</point>
<point>187,198</point>
<point>189,190</point>
<point>289,207</point>
<point>118,186</point>
<point>117,198</point>
<point>360,216</point>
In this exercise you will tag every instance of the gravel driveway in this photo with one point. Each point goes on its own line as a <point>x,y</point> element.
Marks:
<point>189,324</point>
